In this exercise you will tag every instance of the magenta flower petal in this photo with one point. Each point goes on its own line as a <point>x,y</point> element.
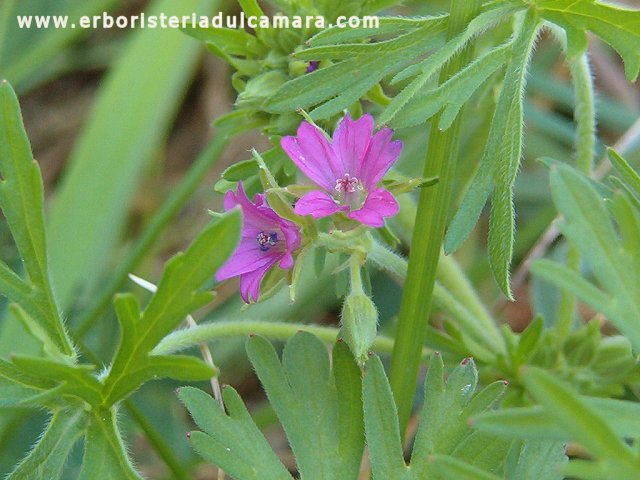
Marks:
<point>266,240</point>
<point>246,258</point>
<point>318,204</point>
<point>380,203</point>
<point>382,153</point>
<point>250,284</point>
<point>350,142</point>
<point>313,154</point>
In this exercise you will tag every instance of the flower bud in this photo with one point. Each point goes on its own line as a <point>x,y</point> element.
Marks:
<point>359,325</point>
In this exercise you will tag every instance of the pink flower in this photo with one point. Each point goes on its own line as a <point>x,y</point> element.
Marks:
<point>266,240</point>
<point>347,169</point>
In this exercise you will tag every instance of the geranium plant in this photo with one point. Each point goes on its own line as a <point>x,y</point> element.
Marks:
<point>385,146</point>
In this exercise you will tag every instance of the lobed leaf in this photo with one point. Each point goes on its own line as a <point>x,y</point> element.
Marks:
<point>499,163</point>
<point>233,442</point>
<point>178,294</point>
<point>618,26</point>
<point>453,93</point>
<point>588,225</point>
<point>504,152</point>
<point>537,423</point>
<point>310,408</point>
<point>581,422</point>
<point>432,64</point>
<point>342,83</point>
<point>443,427</point>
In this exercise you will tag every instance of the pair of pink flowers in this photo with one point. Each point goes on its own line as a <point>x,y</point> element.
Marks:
<point>347,170</point>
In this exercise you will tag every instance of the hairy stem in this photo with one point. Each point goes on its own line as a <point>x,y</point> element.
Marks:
<point>585,142</point>
<point>204,332</point>
<point>432,215</point>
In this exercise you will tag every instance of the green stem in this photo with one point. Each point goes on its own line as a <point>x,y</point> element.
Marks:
<point>433,210</point>
<point>356,274</point>
<point>585,142</point>
<point>157,224</point>
<point>205,332</point>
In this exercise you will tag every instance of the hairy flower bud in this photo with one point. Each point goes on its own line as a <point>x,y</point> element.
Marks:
<point>359,325</point>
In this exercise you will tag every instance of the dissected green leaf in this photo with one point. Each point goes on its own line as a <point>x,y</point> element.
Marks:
<point>308,405</point>
<point>618,26</point>
<point>539,424</point>
<point>22,202</point>
<point>500,163</point>
<point>49,455</point>
<point>503,151</point>
<point>342,83</point>
<point>178,294</point>
<point>587,224</point>
<point>428,67</point>
<point>76,380</point>
<point>321,414</point>
<point>581,422</point>
<point>443,428</point>
<point>233,442</point>
<point>453,93</point>
<point>22,389</point>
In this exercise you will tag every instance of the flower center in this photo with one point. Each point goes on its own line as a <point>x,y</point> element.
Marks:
<point>266,240</point>
<point>349,192</point>
<point>348,184</point>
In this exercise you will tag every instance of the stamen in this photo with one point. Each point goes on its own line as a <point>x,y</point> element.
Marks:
<point>267,240</point>
<point>348,184</point>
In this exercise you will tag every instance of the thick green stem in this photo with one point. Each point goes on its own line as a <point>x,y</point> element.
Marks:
<point>156,226</point>
<point>433,210</point>
<point>205,332</point>
<point>585,142</point>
